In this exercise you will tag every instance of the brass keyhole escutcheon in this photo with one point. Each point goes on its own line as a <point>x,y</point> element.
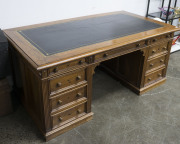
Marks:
<point>69,81</point>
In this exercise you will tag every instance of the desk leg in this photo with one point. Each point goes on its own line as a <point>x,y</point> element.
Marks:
<point>89,89</point>
<point>90,72</point>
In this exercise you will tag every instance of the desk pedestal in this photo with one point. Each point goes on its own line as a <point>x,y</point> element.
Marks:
<point>141,70</point>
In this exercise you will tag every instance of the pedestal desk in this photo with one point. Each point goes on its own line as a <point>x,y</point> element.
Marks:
<point>57,62</point>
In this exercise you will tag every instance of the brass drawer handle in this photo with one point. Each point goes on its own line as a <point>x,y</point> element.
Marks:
<point>55,69</point>
<point>151,64</point>
<point>149,79</point>
<point>164,48</point>
<point>59,84</point>
<point>105,55</point>
<point>59,102</point>
<point>60,118</point>
<point>168,36</point>
<point>78,95</point>
<point>154,40</point>
<point>80,62</point>
<point>138,45</point>
<point>78,77</point>
<point>153,51</point>
<point>159,74</point>
<point>79,111</point>
<point>161,60</point>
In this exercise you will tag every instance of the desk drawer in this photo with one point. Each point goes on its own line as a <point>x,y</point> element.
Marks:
<point>114,53</point>
<point>72,64</point>
<point>68,97</point>
<point>161,38</point>
<point>69,115</point>
<point>157,49</point>
<point>155,63</point>
<point>153,77</point>
<point>67,80</point>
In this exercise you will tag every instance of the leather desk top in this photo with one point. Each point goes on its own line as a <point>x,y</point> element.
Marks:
<point>52,43</point>
<point>70,35</point>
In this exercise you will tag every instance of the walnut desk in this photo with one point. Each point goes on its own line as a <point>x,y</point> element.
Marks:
<point>57,62</point>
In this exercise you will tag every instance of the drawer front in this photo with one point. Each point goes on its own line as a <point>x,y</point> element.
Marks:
<point>68,97</point>
<point>108,54</point>
<point>69,115</point>
<point>155,63</point>
<point>164,37</point>
<point>153,77</point>
<point>64,81</point>
<point>158,48</point>
<point>67,65</point>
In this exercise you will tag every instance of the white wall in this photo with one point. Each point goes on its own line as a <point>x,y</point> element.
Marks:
<point>15,13</point>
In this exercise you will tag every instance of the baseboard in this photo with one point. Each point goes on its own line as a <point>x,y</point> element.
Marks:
<point>151,86</point>
<point>141,91</point>
<point>56,132</point>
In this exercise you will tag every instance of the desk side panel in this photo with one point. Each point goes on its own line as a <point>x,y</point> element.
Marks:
<point>32,96</point>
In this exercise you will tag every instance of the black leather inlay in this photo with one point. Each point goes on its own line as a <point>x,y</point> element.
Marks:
<point>70,35</point>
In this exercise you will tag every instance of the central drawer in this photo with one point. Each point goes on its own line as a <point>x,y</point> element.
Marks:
<point>67,80</point>
<point>114,53</point>
<point>68,115</point>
